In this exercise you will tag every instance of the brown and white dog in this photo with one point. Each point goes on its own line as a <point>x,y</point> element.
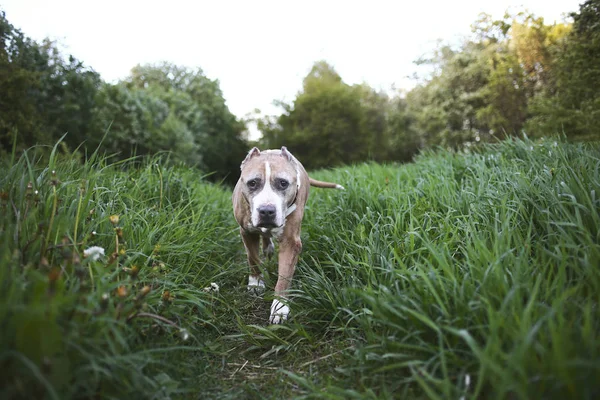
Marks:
<point>268,201</point>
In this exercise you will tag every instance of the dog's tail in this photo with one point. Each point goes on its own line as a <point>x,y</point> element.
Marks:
<point>326,185</point>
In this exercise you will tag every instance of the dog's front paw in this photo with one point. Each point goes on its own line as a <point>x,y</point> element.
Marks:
<point>279,312</point>
<point>256,284</point>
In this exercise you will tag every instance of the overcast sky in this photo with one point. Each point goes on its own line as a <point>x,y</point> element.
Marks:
<point>261,50</point>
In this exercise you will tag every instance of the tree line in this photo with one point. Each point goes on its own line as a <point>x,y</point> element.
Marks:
<point>513,75</point>
<point>157,108</point>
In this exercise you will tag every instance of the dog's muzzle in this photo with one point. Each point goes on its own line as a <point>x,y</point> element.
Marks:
<point>266,216</point>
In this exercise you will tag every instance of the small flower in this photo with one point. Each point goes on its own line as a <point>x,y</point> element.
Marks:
<point>133,271</point>
<point>185,335</point>
<point>144,291</point>
<point>93,252</point>
<point>167,296</point>
<point>114,219</point>
<point>122,291</point>
<point>212,288</point>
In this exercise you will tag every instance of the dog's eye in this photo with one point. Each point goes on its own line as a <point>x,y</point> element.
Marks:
<point>283,184</point>
<point>252,183</point>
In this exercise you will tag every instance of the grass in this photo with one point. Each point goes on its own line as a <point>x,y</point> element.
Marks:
<point>471,275</point>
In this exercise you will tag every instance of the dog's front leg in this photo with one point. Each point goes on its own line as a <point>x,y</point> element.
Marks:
<point>251,243</point>
<point>289,249</point>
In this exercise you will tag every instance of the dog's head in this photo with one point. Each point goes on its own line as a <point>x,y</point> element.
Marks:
<point>270,181</point>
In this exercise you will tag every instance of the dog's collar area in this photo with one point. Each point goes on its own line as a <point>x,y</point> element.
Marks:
<point>290,209</point>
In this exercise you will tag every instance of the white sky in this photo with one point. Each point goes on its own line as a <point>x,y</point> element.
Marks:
<point>261,50</point>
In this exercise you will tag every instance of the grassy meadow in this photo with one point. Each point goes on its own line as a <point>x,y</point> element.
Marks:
<point>459,276</point>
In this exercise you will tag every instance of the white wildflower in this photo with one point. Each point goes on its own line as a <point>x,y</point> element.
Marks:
<point>185,335</point>
<point>212,288</point>
<point>467,380</point>
<point>93,252</point>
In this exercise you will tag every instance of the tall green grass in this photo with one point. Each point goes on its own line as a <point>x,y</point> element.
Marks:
<point>71,326</point>
<point>472,275</point>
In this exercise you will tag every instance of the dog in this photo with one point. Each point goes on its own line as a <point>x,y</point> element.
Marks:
<point>268,202</point>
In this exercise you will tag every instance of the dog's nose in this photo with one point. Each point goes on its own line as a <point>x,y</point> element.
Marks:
<point>267,211</point>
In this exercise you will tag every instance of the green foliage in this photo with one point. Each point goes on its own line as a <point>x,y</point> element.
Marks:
<point>71,325</point>
<point>509,76</point>
<point>515,74</point>
<point>143,122</point>
<point>44,95</point>
<point>489,87</point>
<point>572,103</point>
<point>161,108</point>
<point>166,108</point>
<point>463,274</point>
<point>332,123</point>
<point>479,265</point>
<point>17,75</point>
<point>200,105</point>
<point>404,140</point>
<point>446,107</point>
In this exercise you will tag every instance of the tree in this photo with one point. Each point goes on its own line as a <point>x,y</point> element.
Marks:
<point>44,95</point>
<point>219,137</point>
<point>572,103</point>
<point>170,108</point>
<point>143,122</point>
<point>404,141</point>
<point>330,122</point>
<point>489,86</point>
<point>67,96</point>
<point>157,108</point>
<point>445,107</point>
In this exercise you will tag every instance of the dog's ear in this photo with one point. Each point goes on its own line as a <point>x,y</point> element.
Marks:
<point>252,153</point>
<point>285,153</point>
